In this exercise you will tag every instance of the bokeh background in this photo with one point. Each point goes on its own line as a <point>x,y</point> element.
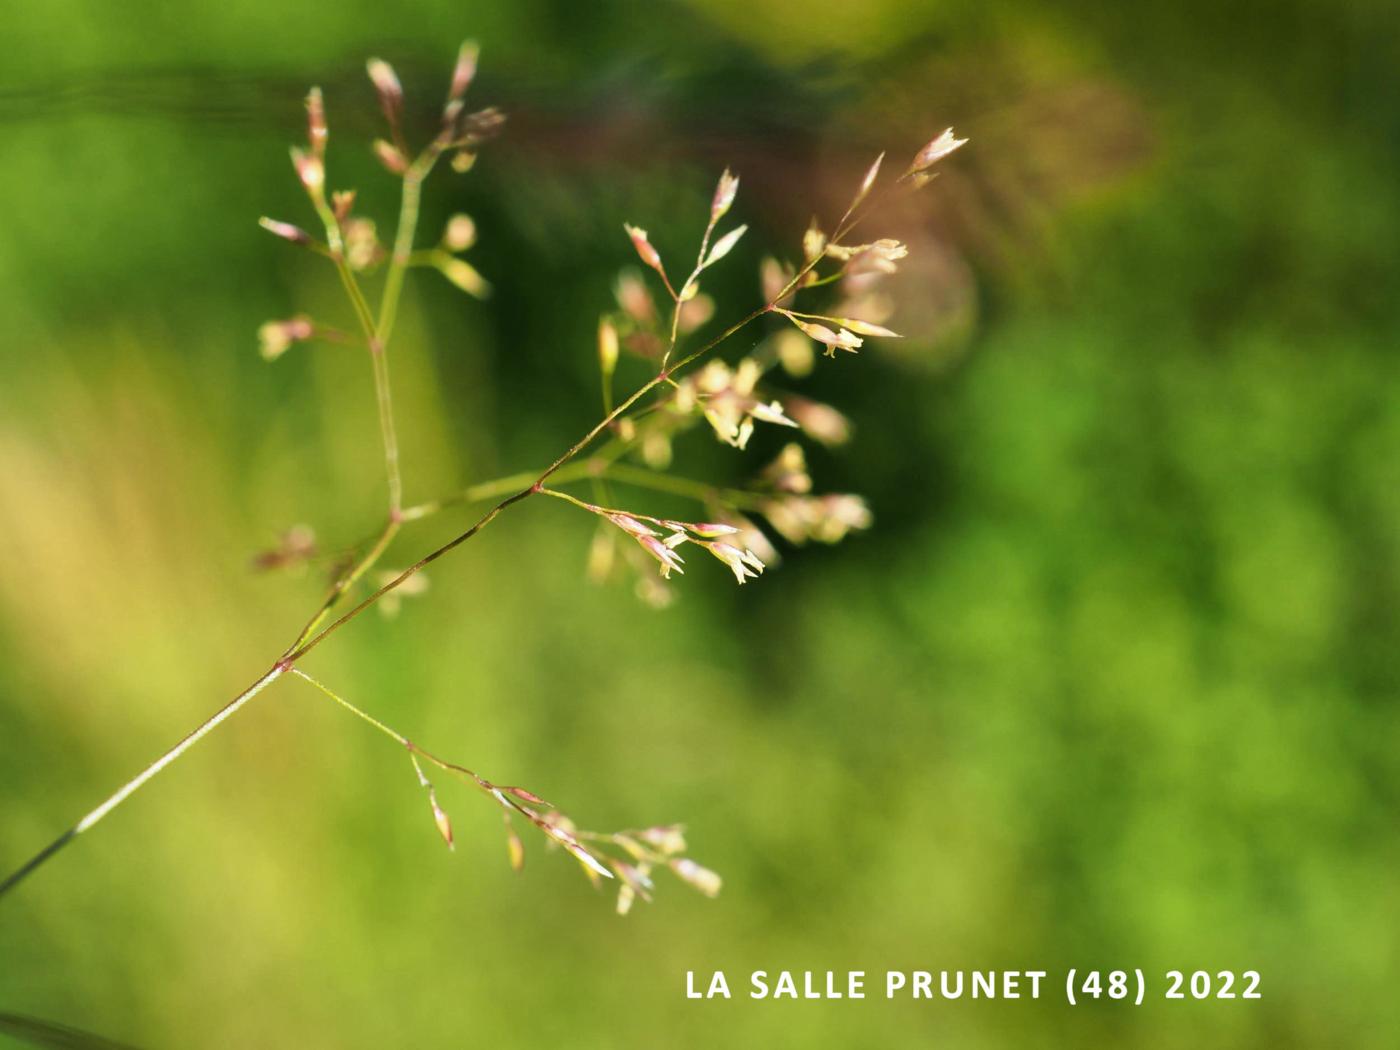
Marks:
<point>1111,684</point>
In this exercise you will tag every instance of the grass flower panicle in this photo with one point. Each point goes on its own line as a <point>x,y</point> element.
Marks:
<point>630,446</point>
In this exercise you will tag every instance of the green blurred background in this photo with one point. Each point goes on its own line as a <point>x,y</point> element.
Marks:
<point>1111,684</point>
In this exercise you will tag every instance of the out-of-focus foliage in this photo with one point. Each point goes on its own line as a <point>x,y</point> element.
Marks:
<point>1113,683</point>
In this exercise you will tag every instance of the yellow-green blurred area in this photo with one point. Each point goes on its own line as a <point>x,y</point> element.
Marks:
<point>1111,683</point>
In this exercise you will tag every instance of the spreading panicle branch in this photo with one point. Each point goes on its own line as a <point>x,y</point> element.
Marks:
<point>731,399</point>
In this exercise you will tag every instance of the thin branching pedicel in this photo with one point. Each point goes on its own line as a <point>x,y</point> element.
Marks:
<point>630,447</point>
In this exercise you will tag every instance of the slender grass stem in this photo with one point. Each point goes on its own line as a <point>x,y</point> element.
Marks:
<point>392,734</point>
<point>137,782</point>
<point>502,795</point>
<point>486,490</point>
<point>572,499</point>
<point>357,299</point>
<point>349,578</point>
<point>678,304</point>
